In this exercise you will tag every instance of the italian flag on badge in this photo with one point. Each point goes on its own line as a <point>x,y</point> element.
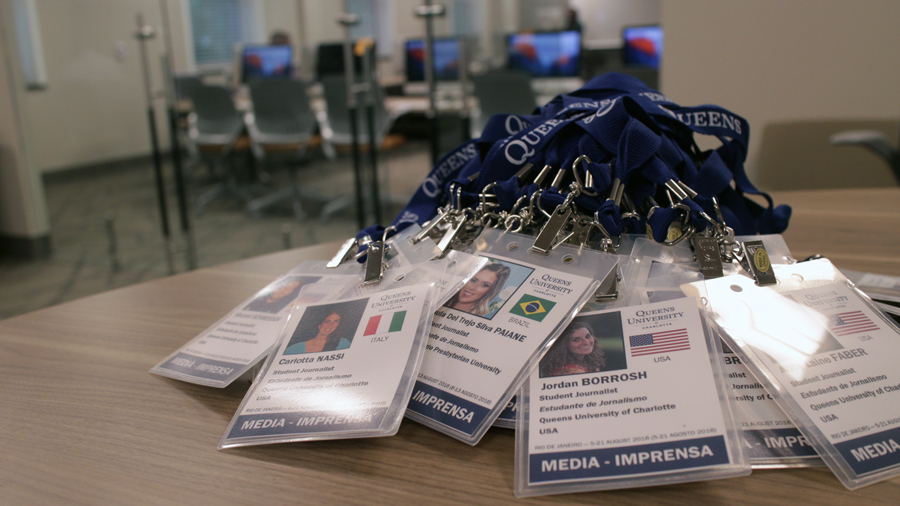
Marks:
<point>384,323</point>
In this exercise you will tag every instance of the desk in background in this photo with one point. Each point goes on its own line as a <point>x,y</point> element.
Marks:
<point>84,422</point>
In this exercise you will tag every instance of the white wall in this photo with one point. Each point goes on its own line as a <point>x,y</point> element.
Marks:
<point>602,20</point>
<point>94,106</point>
<point>23,211</point>
<point>772,60</point>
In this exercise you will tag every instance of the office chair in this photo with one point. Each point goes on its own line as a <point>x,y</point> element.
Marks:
<point>334,89</point>
<point>280,127</point>
<point>214,127</point>
<point>876,141</point>
<point>796,155</point>
<point>336,130</point>
<point>501,92</point>
<point>185,86</point>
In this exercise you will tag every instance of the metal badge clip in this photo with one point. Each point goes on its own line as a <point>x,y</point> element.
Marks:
<point>342,254</point>
<point>609,289</point>
<point>708,256</point>
<point>755,259</point>
<point>456,224</point>
<point>375,259</point>
<point>557,221</point>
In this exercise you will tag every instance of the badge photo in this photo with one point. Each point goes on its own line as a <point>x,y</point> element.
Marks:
<point>485,293</point>
<point>326,328</point>
<point>592,343</point>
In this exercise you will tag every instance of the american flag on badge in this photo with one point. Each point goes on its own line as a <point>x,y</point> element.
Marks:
<point>851,322</point>
<point>659,342</point>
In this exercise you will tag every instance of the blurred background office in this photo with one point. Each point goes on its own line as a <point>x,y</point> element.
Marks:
<point>78,205</point>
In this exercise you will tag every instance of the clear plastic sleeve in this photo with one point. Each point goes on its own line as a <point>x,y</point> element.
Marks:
<point>654,411</point>
<point>771,438</point>
<point>826,353</point>
<point>486,338</point>
<point>231,347</point>
<point>358,381</point>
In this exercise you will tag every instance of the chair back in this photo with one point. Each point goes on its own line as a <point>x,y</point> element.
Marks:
<point>334,89</point>
<point>502,92</point>
<point>798,155</point>
<point>281,111</point>
<point>185,86</point>
<point>215,119</point>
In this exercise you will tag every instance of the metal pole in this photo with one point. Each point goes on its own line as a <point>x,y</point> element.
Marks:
<point>370,73</point>
<point>171,99</point>
<point>429,11</point>
<point>347,20</point>
<point>144,33</point>
<point>113,250</point>
<point>464,81</point>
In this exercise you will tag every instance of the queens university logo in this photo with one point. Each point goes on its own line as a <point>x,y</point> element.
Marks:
<point>519,150</point>
<point>514,124</point>
<point>606,105</point>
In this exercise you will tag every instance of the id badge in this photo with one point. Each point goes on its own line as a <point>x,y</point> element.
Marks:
<point>827,355</point>
<point>627,397</point>
<point>770,437</point>
<point>342,369</point>
<point>233,345</point>
<point>486,338</point>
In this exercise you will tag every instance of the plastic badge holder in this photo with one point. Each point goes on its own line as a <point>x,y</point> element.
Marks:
<point>771,439</point>
<point>655,413</point>
<point>827,355</point>
<point>477,359</point>
<point>507,418</point>
<point>881,288</point>
<point>403,251</point>
<point>232,346</point>
<point>361,387</point>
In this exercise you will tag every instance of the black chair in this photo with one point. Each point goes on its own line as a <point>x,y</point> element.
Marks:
<point>280,127</point>
<point>502,92</point>
<point>214,127</point>
<point>876,141</point>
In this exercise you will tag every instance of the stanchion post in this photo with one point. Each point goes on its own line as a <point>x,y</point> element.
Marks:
<point>369,70</point>
<point>464,82</point>
<point>143,34</point>
<point>428,12</point>
<point>347,20</point>
<point>175,145</point>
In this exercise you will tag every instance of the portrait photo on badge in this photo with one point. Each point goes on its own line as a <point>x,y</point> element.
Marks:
<point>590,344</point>
<point>488,290</point>
<point>277,297</point>
<point>328,327</point>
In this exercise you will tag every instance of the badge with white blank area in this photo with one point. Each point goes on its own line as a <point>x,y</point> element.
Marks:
<point>340,370</point>
<point>827,354</point>
<point>628,397</point>
<point>770,437</point>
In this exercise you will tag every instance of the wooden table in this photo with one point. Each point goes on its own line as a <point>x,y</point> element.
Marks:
<point>83,422</point>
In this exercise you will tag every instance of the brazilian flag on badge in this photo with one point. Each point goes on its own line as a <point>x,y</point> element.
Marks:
<point>533,308</point>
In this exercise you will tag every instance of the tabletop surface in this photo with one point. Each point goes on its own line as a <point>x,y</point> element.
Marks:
<point>83,422</point>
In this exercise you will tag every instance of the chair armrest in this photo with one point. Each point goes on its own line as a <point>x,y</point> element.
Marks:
<point>872,139</point>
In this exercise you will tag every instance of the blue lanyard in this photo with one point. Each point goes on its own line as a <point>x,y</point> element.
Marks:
<point>630,133</point>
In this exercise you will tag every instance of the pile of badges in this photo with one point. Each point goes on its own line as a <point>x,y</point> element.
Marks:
<point>591,277</point>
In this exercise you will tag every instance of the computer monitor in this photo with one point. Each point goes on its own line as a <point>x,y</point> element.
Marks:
<point>446,59</point>
<point>330,59</point>
<point>266,62</point>
<point>545,54</point>
<point>642,46</point>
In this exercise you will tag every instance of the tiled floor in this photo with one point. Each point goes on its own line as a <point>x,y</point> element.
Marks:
<point>79,204</point>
